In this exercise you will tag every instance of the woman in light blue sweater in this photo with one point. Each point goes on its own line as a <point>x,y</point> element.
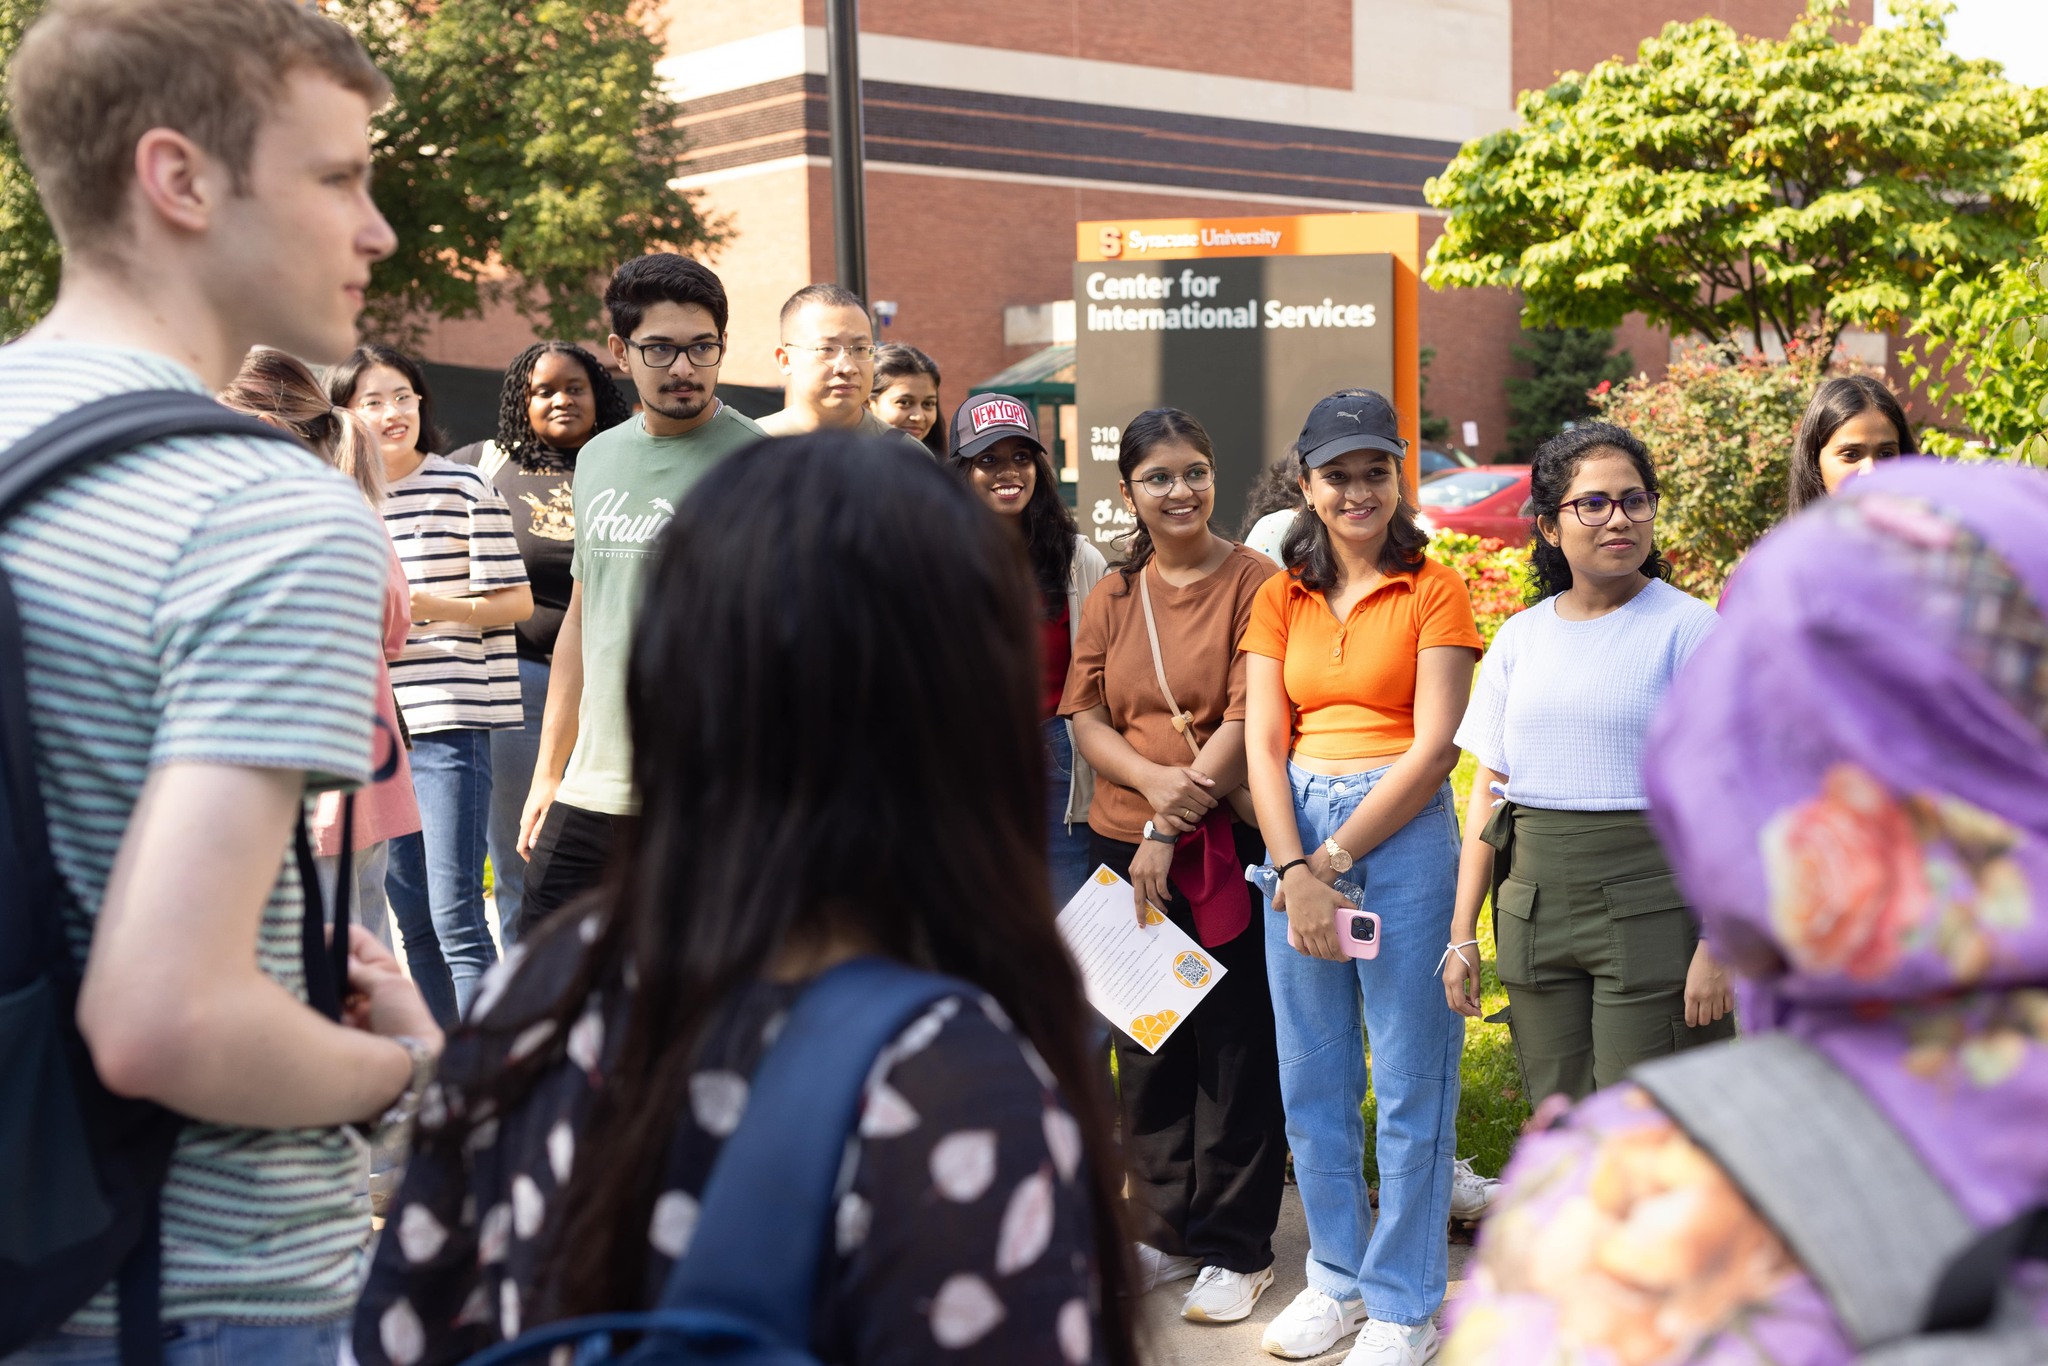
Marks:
<point>1599,953</point>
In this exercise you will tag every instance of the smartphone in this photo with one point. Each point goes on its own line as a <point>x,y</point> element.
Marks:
<point>1358,933</point>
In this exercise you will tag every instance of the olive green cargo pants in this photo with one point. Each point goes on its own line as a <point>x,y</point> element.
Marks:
<point>1592,939</point>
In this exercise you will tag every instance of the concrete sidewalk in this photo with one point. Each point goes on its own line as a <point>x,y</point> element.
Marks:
<point>1165,1339</point>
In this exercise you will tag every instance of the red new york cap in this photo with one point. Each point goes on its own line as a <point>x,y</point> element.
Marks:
<point>985,419</point>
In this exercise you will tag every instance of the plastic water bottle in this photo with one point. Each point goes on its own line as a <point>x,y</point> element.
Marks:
<point>1263,877</point>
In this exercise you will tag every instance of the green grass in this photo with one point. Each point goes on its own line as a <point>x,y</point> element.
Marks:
<point>1491,1109</point>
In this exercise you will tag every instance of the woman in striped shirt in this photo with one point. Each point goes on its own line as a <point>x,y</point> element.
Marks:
<point>458,678</point>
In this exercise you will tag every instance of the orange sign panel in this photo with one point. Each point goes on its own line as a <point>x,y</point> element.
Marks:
<point>1317,234</point>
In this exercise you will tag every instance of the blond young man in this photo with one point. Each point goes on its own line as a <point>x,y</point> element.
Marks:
<point>205,658</point>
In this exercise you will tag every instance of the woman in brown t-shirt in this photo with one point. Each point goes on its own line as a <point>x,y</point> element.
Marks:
<point>1206,1165</point>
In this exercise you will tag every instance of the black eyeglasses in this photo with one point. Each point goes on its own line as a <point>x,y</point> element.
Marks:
<point>1597,509</point>
<point>659,355</point>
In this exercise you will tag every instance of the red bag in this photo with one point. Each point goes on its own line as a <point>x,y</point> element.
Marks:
<point>1206,870</point>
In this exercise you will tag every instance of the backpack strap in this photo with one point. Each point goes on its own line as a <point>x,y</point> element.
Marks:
<point>61,447</point>
<point>1827,1169</point>
<point>760,1237</point>
<point>750,1277</point>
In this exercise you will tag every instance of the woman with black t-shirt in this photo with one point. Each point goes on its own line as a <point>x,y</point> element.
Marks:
<point>556,397</point>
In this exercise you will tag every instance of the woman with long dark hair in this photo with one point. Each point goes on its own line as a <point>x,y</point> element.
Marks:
<point>906,394</point>
<point>1156,695</point>
<point>1601,958</point>
<point>834,715</point>
<point>996,450</point>
<point>280,389</point>
<point>458,678</point>
<point>555,397</point>
<point>1851,423</point>
<point>1361,658</point>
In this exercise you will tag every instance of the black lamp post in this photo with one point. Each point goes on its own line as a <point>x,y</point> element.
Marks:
<point>842,103</point>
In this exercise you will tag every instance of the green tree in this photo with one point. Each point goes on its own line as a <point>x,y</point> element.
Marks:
<point>527,150</point>
<point>1719,432</point>
<point>1978,341</point>
<point>29,258</point>
<point>1781,187</point>
<point>1565,365</point>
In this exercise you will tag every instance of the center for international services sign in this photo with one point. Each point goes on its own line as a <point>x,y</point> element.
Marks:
<point>1244,323</point>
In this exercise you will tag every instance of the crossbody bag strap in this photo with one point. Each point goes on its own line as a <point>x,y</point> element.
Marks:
<point>1800,1139</point>
<point>1183,721</point>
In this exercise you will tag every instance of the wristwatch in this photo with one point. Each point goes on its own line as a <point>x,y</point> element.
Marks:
<point>398,1116</point>
<point>1154,833</point>
<point>1340,857</point>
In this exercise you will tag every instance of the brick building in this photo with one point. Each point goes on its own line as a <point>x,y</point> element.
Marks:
<point>992,127</point>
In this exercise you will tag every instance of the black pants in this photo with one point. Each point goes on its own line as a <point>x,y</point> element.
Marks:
<point>569,857</point>
<point>1204,1135</point>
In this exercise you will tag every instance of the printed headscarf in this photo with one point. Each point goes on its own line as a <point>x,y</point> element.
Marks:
<point>1851,777</point>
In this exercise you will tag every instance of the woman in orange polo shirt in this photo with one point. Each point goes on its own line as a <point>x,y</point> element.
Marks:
<point>1359,664</point>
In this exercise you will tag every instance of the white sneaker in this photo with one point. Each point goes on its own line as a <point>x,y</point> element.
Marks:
<point>1389,1344</point>
<point>1471,1193</point>
<point>1222,1296</point>
<point>1156,1268</point>
<point>1312,1325</point>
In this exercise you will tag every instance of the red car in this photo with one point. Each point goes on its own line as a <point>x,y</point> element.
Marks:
<point>1487,500</point>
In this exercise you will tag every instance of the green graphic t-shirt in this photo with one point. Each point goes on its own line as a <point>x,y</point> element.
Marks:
<point>627,486</point>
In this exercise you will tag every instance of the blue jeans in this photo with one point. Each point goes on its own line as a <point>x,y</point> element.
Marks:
<point>513,753</point>
<point>202,1342</point>
<point>1399,1268</point>
<point>436,882</point>
<point>1068,862</point>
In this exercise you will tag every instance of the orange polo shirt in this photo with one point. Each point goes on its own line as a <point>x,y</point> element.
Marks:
<point>1352,682</point>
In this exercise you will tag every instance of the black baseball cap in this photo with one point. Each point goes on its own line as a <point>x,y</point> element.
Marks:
<point>1350,420</point>
<point>985,419</point>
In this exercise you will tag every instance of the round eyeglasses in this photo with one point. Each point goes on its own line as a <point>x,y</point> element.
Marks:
<point>1597,509</point>
<point>1159,483</point>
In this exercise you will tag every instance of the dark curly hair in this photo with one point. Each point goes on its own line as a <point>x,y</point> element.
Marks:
<point>516,437</point>
<point>1150,428</point>
<point>1550,476</point>
<point>1277,489</point>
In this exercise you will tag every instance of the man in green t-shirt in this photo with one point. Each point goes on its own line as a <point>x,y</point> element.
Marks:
<point>668,316</point>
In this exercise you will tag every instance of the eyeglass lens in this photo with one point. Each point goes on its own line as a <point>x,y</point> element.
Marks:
<point>1159,483</point>
<point>1598,509</point>
<point>660,354</point>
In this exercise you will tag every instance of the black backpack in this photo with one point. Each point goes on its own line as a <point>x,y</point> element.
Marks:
<point>81,1169</point>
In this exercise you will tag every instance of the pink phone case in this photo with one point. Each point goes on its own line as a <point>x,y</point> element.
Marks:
<point>1347,939</point>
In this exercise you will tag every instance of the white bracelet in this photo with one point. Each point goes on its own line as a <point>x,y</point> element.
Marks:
<point>1450,949</point>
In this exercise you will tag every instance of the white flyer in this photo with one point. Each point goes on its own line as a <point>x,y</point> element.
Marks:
<point>1145,979</point>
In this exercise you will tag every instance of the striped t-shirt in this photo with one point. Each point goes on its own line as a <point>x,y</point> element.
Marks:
<point>211,600</point>
<point>454,536</point>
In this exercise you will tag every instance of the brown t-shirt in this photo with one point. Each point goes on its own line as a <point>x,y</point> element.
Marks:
<point>1199,627</point>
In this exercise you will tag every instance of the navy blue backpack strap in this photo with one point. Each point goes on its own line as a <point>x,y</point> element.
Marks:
<point>751,1274</point>
<point>32,938</point>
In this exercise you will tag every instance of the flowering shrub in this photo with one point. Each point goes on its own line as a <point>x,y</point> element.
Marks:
<point>1496,574</point>
<point>1721,434</point>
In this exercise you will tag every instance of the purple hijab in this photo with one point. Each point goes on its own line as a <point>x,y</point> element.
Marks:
<point>1851,777</point>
